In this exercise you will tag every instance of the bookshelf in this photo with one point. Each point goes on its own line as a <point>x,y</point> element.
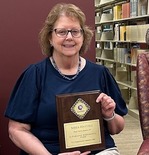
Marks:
<point>121,26</point>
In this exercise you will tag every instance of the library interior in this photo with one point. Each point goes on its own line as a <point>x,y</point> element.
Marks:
<point>122,45</point>
<point>120,42</point>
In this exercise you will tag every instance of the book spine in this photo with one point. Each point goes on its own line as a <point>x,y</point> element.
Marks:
<point>126,10</point>
<point>134,8</point>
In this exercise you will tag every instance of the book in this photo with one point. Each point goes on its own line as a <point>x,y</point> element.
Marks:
<point>135,51</point>
<point>104,1</point>
<point>128,57</point>
<point>126,10</point>
<point>107,35</point>
<point>120,54</point>
<point>107,54</point>
<point>141,31</point>
<point>117,32</point>
<point>134,54</point>
<point>115,54</point>
<point>97,36</point>
<point>128,33</point>
<point>117,12</point>
<point>133,8</point>
<point>125,53</point>
<point>136,33</point>
<point>142,7</point>
<point>97,19</point>
<point>147,7</point>
<point>98,45</point>
<point>106,17</point>
<point>108,45</point>
<point>97,2</point>
<point>122,33</point>
<point>98,52</point>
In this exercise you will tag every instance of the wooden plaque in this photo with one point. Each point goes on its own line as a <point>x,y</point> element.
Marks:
<point>80,122</point>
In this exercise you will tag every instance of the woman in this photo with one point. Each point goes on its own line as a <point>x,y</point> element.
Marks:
<point>32,108</point>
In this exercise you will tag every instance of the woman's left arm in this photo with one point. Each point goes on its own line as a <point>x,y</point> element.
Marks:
<point>114,121</point>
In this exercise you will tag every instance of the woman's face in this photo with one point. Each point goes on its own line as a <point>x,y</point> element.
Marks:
<point>65,43</point>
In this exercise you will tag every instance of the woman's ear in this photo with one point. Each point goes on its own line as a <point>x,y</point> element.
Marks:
<point>50,42</point>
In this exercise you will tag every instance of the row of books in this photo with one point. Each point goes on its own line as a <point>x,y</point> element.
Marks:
<point>115,46</point>
<point>136,32</point>
<point>125,55</point>
<point>134,53</point>
<point>121,55</point>
<point>125,10</point>
<point>138,8</point>
<point>131,33</point>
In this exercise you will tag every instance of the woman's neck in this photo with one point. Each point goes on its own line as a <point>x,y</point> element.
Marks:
<point>66,62</point>
<point>67,72</point>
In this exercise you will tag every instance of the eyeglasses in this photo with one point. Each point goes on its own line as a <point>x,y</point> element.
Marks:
<point>62,33</point>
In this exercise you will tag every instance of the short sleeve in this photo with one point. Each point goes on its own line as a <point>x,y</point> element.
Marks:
<point>23,102</point>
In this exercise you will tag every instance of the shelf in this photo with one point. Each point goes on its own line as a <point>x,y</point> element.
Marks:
<point>118,41</point>
<point>104,40</point>
<point>112,60</point>
<point>122,20</point>
<point>127,84</point>
<point>105,4</point>
<point>100,58</point>
<point>131,19</point>
<point>134,113</point>
<point>118,47</point>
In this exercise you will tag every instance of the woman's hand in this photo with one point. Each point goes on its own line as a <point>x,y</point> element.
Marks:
<point>107,105</point>
<point>75,153</point>
<point>115,122</point>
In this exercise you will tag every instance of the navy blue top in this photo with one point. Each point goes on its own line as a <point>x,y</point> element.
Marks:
<point>33,98</point>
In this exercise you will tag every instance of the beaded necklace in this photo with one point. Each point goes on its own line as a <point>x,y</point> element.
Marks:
<point>64,76</point>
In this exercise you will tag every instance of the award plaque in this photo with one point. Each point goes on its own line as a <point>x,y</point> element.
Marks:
<point>80,122</point>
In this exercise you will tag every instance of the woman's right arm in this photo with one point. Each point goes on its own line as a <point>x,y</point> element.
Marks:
<point>21,136</point>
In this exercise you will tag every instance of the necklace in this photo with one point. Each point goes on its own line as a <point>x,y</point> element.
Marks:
<point>64,76</point>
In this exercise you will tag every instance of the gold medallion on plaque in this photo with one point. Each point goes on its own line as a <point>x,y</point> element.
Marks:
<point>80,108</point>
